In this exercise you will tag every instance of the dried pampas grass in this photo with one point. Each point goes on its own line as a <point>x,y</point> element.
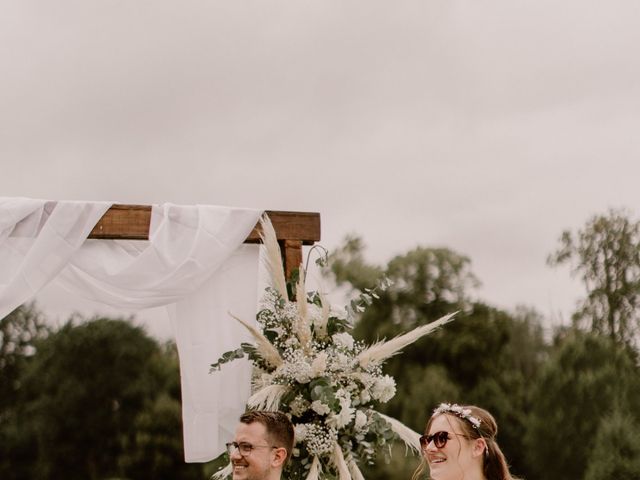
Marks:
<point>273,257</point>
<point>380,351</point>
<point>223,473</point>
<point>315,470</point>
<point>268,398</point>
<point>266,350</point>
<point>408,436</point>
<point>340,463</point>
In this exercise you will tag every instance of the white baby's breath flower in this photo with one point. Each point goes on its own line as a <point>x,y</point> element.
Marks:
<point>291,342</point>
<point>384,389</point>
<point>341,361</point>
<point>320,408</point>
<point>295,367</point>
<point>303,374</point>
<point>320,439</point>
<point>290,310</point>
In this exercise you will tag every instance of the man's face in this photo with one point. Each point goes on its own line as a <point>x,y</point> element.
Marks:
<point>263,461</point>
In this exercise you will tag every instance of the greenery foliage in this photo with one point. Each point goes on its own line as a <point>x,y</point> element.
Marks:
<point>585,378</point>
<point>616,449</point>
<point>97,399</point>
<point>549,399</point>
<point>465,361</point>
<point>605,253</point>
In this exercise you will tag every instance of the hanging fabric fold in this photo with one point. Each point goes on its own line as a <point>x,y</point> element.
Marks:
<point>194,263</point>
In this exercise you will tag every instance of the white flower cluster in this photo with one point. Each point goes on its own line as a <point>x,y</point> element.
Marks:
<point>331,396</point>
<point>319,439</point>
<point>384,389</point>
<point>308,366</point>
<point>459,412</point>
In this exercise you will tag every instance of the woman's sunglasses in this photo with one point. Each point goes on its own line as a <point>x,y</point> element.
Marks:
<point>439,439</point>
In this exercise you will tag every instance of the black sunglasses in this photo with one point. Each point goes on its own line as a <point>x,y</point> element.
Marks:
<point>439,439</point>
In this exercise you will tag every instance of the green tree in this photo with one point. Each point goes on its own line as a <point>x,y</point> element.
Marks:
<point>425,284</point>
<point>486,356</point>
<point>585,377</point>
<point>616,450</point>
<point>87,385</point>
<point>348,265</point>
<point>155,451</point>
<point>605,253</point>
<point>19,332</point>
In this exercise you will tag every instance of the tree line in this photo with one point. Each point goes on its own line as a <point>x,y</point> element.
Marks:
<point>100,399</point>
<point>565,403</point>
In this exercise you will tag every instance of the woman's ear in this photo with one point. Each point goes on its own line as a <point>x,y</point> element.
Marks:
<point>480,447</point>
<point>280,456</point>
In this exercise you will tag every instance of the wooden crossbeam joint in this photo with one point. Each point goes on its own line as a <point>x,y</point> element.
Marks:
<point>293,229</point>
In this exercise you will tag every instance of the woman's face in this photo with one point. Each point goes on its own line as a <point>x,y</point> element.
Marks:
<point>456,458</point>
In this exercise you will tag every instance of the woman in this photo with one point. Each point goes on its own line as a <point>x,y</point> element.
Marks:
<point>460,444</point>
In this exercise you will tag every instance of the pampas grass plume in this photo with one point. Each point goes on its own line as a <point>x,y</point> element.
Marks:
<point>315,470</point>
<point>380,351</point>
<point>273,257</point>
<point>408,436</point>
<point>265,349</point>
<point>268,398</point>
<point>301,326</point>
<point>339,462</point>
<point>223,473</point>
<point>356,474</point>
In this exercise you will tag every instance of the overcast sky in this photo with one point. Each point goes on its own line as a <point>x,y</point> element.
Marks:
<point>486,127</point>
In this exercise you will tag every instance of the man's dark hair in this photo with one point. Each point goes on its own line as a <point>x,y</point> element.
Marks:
<point>279,427</point>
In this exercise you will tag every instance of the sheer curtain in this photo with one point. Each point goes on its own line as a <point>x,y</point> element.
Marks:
<point>194,263</point>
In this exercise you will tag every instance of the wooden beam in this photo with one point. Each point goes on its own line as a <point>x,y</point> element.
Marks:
<point>293,229</point>
<point>297,226</point>
<point>291,255</point>
<point>124,222</point>
<point>131,222</point>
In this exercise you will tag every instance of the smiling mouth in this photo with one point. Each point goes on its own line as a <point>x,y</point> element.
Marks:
<point>435,461</point>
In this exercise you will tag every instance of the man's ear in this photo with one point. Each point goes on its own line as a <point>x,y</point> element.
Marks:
<point>279,457</point>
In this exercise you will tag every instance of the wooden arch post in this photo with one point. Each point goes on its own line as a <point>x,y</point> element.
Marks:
<point>293,230</point>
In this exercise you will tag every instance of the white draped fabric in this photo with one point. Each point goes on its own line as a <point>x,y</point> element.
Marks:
<point>194,263</point>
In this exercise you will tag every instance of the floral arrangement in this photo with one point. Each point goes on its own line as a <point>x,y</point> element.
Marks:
<point>307,365</point>
<point>458,411</point>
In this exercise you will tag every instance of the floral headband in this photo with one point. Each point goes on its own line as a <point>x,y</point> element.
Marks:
<point>459,412</point>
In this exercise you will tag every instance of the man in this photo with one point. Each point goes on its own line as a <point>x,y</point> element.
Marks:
<point>262,446</point>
